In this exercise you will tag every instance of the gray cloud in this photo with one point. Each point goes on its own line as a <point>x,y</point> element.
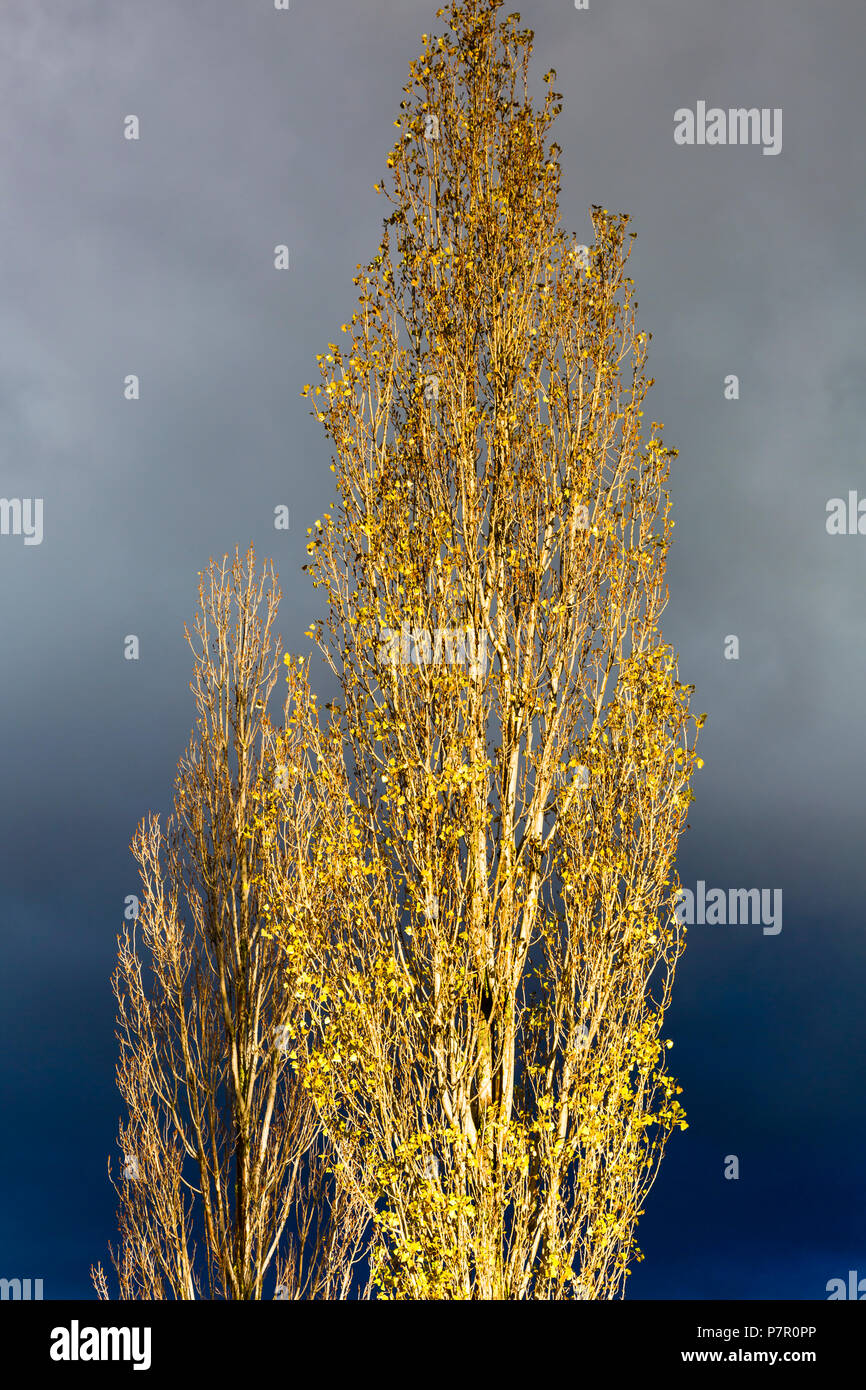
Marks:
<point>155,257</point>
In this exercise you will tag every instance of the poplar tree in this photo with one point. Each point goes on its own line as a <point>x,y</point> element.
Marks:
<point>226,1188</point>
<point>483,937</point>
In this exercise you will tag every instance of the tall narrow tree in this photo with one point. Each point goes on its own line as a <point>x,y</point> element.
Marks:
<point>226,1189</point>
<point>503,782</point>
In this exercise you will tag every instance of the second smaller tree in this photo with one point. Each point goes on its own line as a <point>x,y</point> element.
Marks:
<point>226,1186</point>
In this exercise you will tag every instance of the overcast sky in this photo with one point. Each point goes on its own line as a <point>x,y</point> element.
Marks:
<point>155,257</point>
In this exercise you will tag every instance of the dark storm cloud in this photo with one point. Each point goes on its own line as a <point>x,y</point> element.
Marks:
<point>155,257</point>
